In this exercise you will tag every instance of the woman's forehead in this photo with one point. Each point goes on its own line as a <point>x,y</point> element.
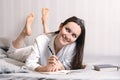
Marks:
<point>75,28</point>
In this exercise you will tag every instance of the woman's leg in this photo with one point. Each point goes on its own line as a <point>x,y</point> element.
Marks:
<point>45,13</point>
<point>18,43</point>
<point>15,51</point>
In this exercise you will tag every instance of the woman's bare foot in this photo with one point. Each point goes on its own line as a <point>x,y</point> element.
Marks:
<point>45,13</point>
<point>29,21</point>
<point>25,32</point>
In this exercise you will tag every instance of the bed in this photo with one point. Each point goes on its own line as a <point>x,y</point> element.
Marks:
<point>11,69</point>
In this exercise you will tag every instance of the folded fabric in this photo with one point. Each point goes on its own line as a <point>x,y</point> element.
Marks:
<point>2,53</point>
<point>6,67</point>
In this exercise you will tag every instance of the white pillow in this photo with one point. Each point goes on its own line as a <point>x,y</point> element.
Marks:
<point>4,42</point>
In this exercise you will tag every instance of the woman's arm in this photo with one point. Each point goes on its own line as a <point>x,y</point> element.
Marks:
<point>32,61</point>
<point>53,65</point>
<point>47,68</point>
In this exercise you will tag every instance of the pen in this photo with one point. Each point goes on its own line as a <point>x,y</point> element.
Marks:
<point>51,50</point>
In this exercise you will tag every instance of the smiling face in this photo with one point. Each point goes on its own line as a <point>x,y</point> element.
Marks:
<point>68,34</point>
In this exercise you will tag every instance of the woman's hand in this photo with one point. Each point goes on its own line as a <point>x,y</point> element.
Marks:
<point>47,68</point>
<point>57,65</point>
<point>53,65</point>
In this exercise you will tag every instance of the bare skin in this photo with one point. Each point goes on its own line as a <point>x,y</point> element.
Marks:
<point>18,43</point>
<point>45,13</point>
<point>53,63</point>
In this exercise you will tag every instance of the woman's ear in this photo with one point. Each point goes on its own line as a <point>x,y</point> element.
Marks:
<point>61,25</point>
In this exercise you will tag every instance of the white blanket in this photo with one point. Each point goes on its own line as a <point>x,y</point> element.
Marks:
<point>11,69</point>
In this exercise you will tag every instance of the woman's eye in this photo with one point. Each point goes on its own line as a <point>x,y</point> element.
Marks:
<point>67,29</point>
<point>74,36</point>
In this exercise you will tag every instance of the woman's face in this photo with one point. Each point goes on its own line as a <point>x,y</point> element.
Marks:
<point>68,33</point>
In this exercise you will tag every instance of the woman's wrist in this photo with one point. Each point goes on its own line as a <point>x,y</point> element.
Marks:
<point>61,66</point>
<point>40,69</point>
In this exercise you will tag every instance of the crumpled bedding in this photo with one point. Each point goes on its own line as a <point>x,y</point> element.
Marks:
<point>10,77</point>
<point>8,65</point>
<point>2,53</point>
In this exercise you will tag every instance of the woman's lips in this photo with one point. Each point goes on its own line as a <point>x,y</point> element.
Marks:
<point>64,38</point>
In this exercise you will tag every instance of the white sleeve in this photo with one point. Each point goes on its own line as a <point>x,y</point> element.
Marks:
<point>33,59</point>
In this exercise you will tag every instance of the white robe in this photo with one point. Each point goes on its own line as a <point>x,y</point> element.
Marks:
<point>38,53</point>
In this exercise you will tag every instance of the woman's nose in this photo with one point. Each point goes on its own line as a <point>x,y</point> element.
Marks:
<point>68,37</point>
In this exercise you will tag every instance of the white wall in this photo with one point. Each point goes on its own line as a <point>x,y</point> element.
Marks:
<point>102,19</point>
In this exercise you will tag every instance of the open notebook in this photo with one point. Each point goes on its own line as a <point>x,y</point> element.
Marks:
<point>57,72</point>
<point>65,72</point>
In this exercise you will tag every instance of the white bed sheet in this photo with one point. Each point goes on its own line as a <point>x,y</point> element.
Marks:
<point>87,74</point>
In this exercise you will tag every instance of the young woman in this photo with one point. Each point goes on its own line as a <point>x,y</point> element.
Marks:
<point>53,51</point>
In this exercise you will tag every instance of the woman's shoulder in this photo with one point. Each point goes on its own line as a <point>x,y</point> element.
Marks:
<point>42,37</point>
<point>46,36</point>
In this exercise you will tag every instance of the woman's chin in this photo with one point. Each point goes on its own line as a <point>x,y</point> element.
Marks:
<point>64,43</point>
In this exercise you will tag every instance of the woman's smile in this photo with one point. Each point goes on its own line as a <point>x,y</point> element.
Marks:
<point>65,39</point>
<point>68,34</point>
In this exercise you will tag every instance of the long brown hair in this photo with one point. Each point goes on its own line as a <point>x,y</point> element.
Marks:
<point>77,62</point>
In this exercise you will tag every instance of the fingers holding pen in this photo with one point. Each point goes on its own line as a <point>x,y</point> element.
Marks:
<point>55,57</point>
<point>53,60</point>
<point>55,63</point>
